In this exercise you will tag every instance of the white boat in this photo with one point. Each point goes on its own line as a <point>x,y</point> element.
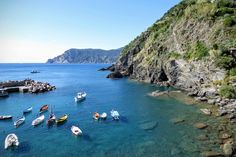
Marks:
<point>4,117</point>
<point>19,121</point>
<point>96,115</point>
<point>75,130</point>
<point>103,115</point>
<point>80,96</point>
<point>206,111</point>
<point>38,120</point>
<point>28,110</point>
<point>115,114</point>
<point>11,140</point>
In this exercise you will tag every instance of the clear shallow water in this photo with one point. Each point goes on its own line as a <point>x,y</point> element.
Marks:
<point>101,138</point>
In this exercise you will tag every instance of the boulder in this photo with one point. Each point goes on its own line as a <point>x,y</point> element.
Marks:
<point>200,125</point>
<point>228,148</point>
<point>115,75</point>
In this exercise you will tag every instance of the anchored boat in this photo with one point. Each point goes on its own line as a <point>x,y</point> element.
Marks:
<point>28,110</point>
<point>5,117</point>
<point>19,121</point>
<point>96,115</point>
<point>43,108</point>
<point>38,120</point>
<point>11,140</point>
<point>62,119</point>
<point>103,116</point>
<point>80,96</point>
<point>75,130</point>
<point>115,114</point>
<point>51,119</point>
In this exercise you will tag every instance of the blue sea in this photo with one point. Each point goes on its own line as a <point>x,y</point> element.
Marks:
<point>145,127</point>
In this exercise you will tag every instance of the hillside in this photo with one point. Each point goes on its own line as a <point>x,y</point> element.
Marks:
<point>191,47</point>
<point>87,56</point>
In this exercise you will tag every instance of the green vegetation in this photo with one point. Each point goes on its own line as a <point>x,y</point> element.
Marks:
<point>174,55</point>
<point>232,72</point>
<point>197,51</point>
<point>228,91</point>
<point>226,62</point>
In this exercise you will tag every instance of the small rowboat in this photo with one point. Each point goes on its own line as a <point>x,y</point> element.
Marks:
<point>28,110</point>
<point>103,116</point>
<point>43,108</point>
<point>51,119</point>
<point>5,117</point>
<point>62,119</point>
<point>38,120</point>
<point>75,130</point>
<point>96,116</point>
<point>11,140</point>
<point>19,121</point>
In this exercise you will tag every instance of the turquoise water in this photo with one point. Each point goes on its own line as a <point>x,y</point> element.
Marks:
<point>126,137</point>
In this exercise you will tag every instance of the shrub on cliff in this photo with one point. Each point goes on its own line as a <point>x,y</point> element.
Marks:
<point>228,91</point>
<point>197,51</point>
<point>232,72</point>
<point>226,62</point>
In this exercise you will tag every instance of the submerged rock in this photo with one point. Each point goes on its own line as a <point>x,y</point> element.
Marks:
<point>211,154</point>
<point>149,125</point>
<point>202,137</point>
<point>200,125</point>
<point>177,120</point>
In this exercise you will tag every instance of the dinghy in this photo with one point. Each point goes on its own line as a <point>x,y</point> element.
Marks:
<point>62,119</point>
<point>19,121</point>
<point>96,116</point>
<point>4,117</point>
<point>115,115</point>
<point>28,110</point>
<point>11,140</point>
<point>103,116</point>
<point>51,119</point>
<point>75,130</point>
<point>43,108</point>
<point>38,120</point>
<point>80,96</point>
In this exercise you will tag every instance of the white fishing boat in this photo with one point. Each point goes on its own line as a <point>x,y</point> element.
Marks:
<point>19,121</point>
<point>103,115</point>
<point>115,114</point>
<point>80,96</point>
<point>75,130</point>
<point>38,120</point>
<point>4,117</point>
<point>28,110</point>
<point>11,140</point>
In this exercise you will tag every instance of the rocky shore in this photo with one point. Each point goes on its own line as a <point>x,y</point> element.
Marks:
<point>27,85</point>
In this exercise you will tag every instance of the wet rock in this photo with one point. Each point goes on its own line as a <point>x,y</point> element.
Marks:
<point>149,125</point>
<point>211,101</point>
<point>200,125</point>
<point>158,93</point>
<point>228,148</point>
<point>115,75</point>
<point>206,111</point>
<point>211,154</point>
<point>225,136</point>
<point>202,137</point>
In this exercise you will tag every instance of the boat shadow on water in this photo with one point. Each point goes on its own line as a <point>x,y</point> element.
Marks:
<point>23,148</point>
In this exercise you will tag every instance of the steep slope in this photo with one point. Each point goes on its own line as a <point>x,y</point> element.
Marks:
<point>87,56</point>
<point>189,48</point>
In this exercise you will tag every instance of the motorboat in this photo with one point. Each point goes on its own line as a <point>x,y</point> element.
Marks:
<point>34,72</point>
<point>80,96</point>
<point>103,116</point>
<point>38,120</point>
<point>43,108</point>
<point>62,119</point>
<point>76,130</point>
<point>51,119</point>
<point>11,140</point>
<point>19,121</point>
<point>5,117</point>
<point>28,110</point>
<point>96,115</point>
<point>115,114</point>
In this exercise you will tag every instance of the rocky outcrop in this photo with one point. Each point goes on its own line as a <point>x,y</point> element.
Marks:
<point>115,75</point>
<point>87,56</point>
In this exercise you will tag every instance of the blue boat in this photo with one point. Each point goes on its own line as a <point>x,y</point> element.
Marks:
<point>28,110</point>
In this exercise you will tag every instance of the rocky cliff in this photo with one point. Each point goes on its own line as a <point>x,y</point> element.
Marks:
<point>87,56</point>
<point>191,47</point>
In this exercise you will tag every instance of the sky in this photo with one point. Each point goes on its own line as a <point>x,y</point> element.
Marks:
<point>33,31</point>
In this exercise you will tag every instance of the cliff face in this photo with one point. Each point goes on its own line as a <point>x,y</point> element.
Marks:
<point>187,47</point>
<point>87,56</point>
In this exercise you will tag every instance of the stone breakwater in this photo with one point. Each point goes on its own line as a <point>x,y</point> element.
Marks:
<point>26,85</point>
